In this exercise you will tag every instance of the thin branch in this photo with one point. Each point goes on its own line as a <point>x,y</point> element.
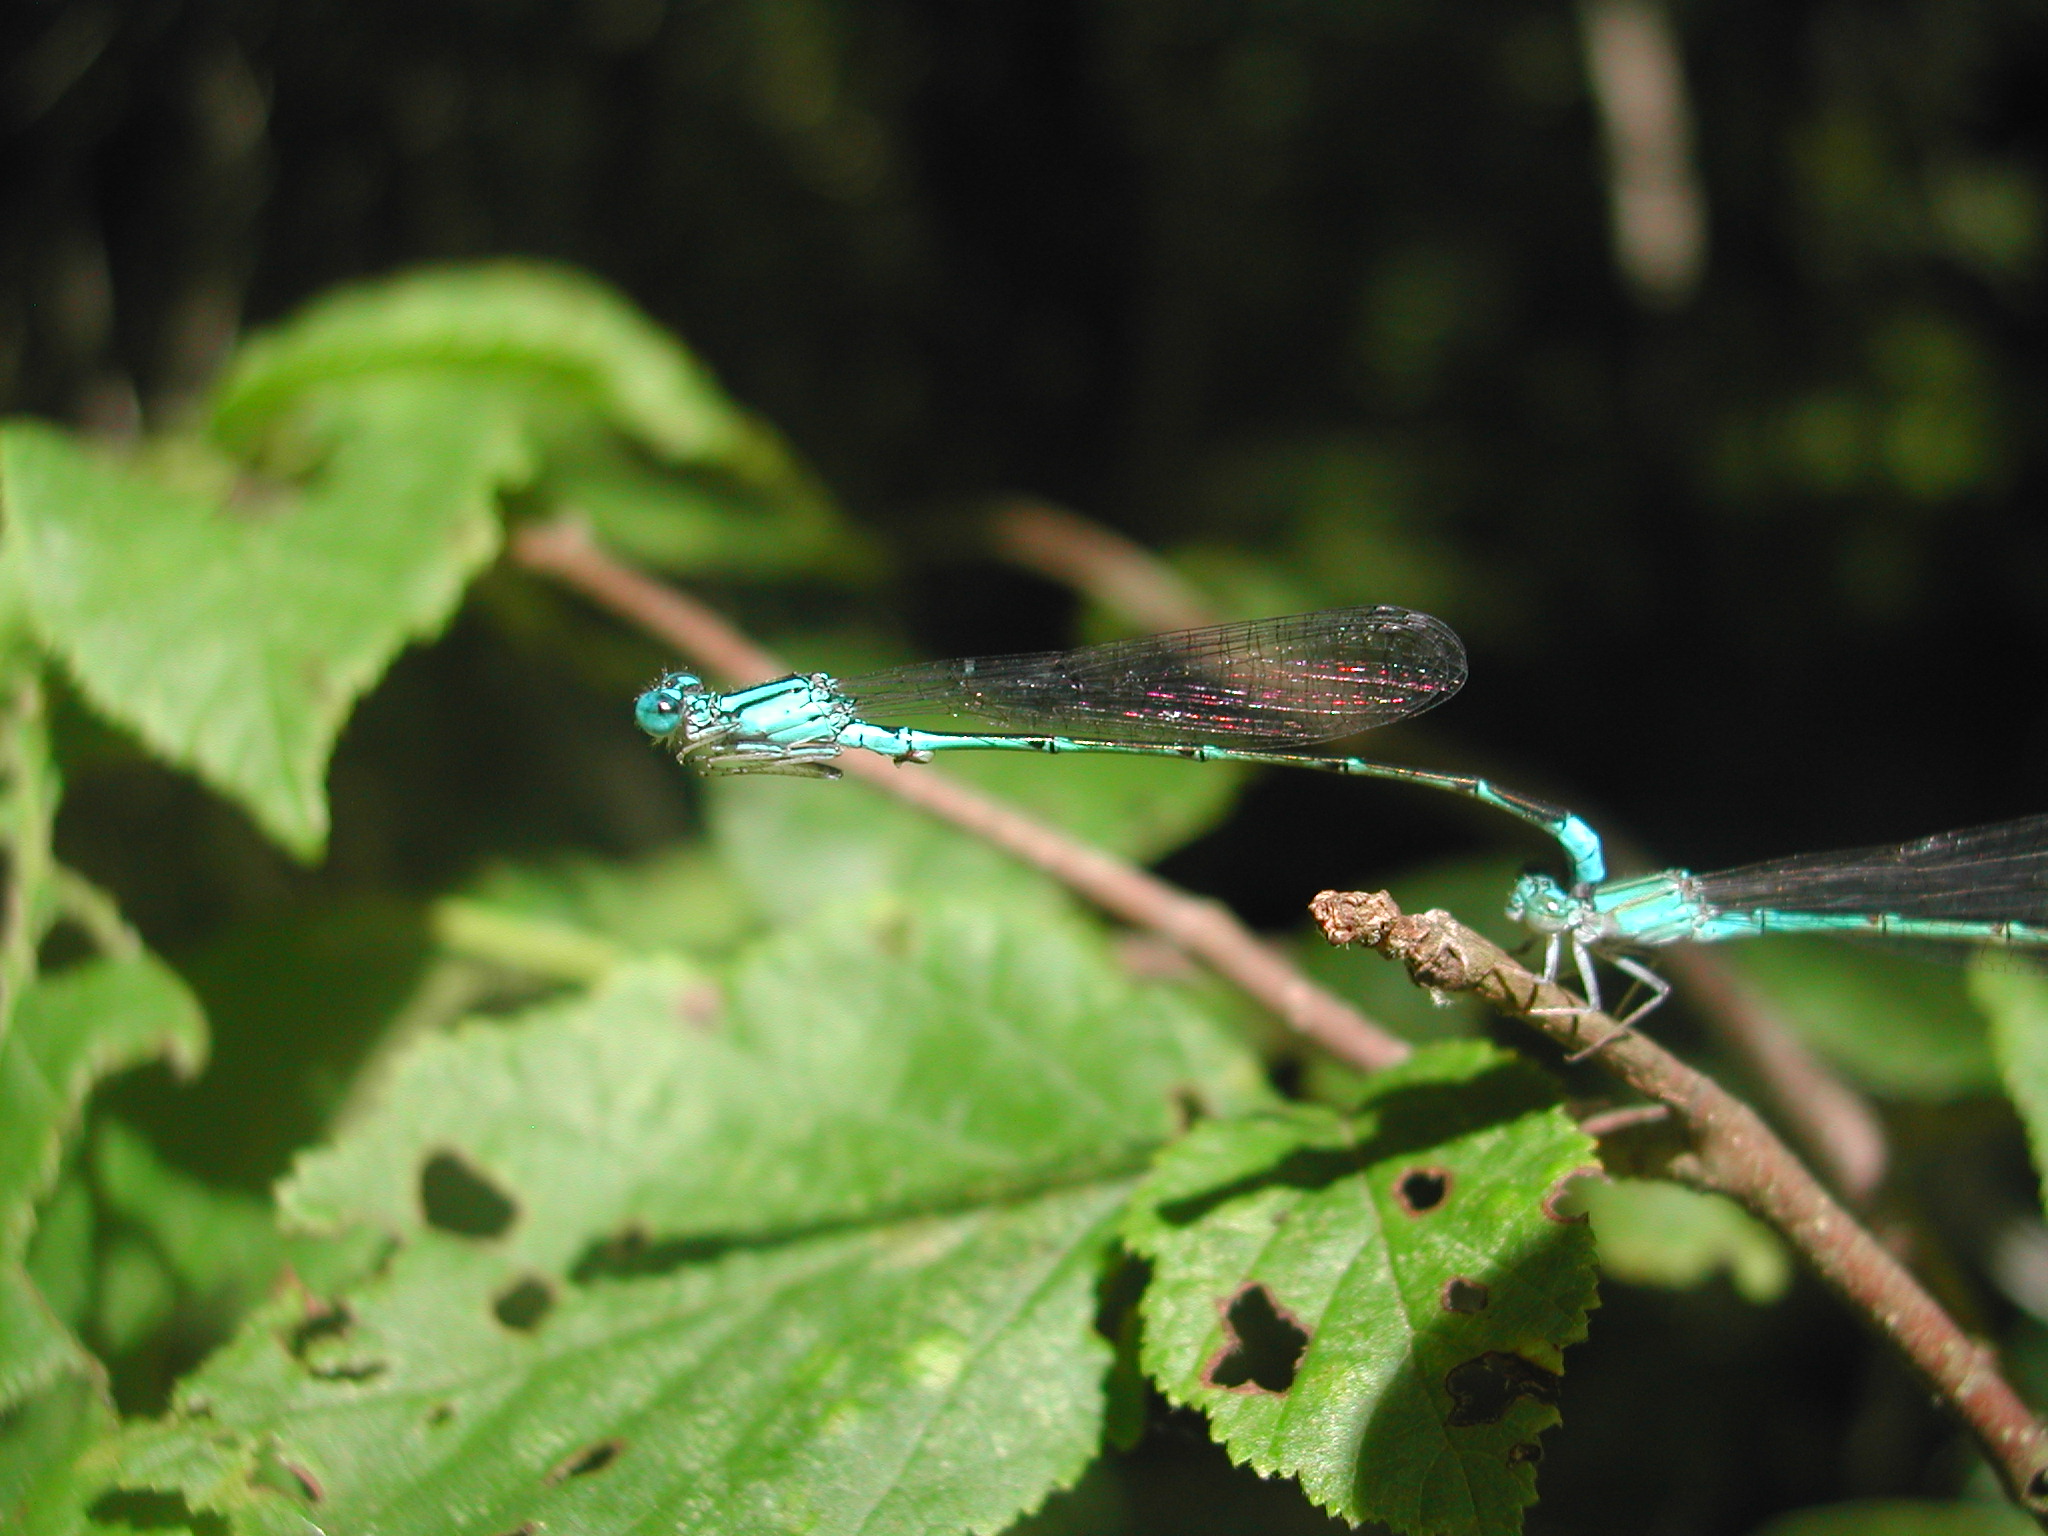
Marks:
<point>1726,1146</point>
<point>1126,578</point>
<point>1203,929</point>
<point>1832,1123</point>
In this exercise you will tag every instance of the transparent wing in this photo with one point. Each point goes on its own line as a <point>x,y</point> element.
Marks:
<point>1271,683</point>
<point>1988,874</point>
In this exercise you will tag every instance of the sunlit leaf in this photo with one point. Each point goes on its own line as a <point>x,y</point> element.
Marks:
<point>818,1248</point>
<point>233,625</point>
<point>508,319</point>
<point>1378,1302</point>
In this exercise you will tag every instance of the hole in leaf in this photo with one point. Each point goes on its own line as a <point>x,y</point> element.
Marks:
<point>1421,1190</point>
<point>456,1198</point>
<point>147,1509</point>
<point>1462,1294</point>
<point>1262,1345</point>
<point>525,1305</point>
<point>326,1323</point>
<point>2037,1488</point>
<point>1524,1453</point>
<point>1562,1202</point>
<point>1288,1075</point>
<point>1484,1388</point>
<point>591,1459</point>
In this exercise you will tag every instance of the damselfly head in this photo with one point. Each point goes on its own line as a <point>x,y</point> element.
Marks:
<point>1540,902</point>
<point>665,708</point>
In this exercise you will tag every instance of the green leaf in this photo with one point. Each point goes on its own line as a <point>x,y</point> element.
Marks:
<point>70,1030</point>
<point>681,899</point>
<point>1377,1303</point>
<point>873,1019</point>
<point>218,1243</point>
<point>1140,807</point>
<point>1899,1025</point>
<point>930,1375</point>
<point>817,1250</point>
<point>497,320</point>
<point>233,626</point>
<point>61,1260</point>
<point>794,843</point>
<point>2016,1002</point>
<point>41,1440</point>
<point>136,1294</point>
<point>1653,1232</point>
<point>602,387</point>
<point>1903,1517</point>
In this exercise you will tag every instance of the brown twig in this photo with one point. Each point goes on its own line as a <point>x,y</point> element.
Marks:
<point>1726,1146</point>
<point>1832,1123</point>
<point>1126,578</point>
<point>1203,929</point>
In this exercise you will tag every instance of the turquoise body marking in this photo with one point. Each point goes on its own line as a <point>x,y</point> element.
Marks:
<point>1249,693</point>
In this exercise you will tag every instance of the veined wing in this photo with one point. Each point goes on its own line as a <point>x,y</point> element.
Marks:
<point>1267,684</point>
<point>1988,874</point>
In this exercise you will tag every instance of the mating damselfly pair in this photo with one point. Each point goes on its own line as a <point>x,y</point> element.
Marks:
<point>1270,691</point>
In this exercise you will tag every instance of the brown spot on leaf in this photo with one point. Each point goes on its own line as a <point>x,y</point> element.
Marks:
<point>592,1458</point>
<point>699,1005</point>
<point>307,1482</point>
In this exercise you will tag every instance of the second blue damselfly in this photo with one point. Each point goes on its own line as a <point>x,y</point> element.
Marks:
<point>1986,887</point>
<point>1258,692</point>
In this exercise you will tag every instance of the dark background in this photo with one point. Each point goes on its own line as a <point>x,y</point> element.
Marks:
<point>1319,299</point>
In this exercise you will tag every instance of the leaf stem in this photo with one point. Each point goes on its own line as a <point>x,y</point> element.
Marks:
<point>1725,1145</point>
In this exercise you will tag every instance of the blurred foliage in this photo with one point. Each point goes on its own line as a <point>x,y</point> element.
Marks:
<point>1314,300</point>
